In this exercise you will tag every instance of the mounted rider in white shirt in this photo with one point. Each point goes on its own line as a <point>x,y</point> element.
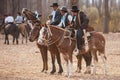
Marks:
<point>66,18</point>
<point>9,20</point>
<point>19,18</point>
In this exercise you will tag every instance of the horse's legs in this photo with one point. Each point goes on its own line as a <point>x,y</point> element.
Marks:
<point>22,39</point>
<point>59,60</point>
<point>105,62</point>
<point>67,67</point>
<point>13,39</point>
<point>95,60</point>
<point>7,39</point>
<point>26,38</point>
<point>53,63</point>
<point>70,65</point>
<point>43,50</point>
<point>16,40</point>
<point>79,58</point>
<point>88,58</point>
<point>44,56</point>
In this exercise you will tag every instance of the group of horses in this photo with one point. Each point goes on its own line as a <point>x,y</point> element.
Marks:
<point>15,30</point>
<point>58,41</point>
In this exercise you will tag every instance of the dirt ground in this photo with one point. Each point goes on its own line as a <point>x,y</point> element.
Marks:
<point>24,62</point>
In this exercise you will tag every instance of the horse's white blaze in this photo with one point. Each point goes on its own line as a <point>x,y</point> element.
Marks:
<point>105,63</point>
<point>40,38</point>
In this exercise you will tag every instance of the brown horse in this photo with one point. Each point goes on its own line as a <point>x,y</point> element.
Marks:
<point>43,49</point>
<point>51,34</point>
<point>96,44</point>
<point>24,29</point>
<point>87,57</point>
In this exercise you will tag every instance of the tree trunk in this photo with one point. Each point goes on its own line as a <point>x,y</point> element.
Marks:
<point>87,3</point>
<point>106,24</point>
<point>74,2</point>
<point>93,3</point>
<point>99,6</point>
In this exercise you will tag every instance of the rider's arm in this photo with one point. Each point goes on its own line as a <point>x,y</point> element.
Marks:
<point>84,20</point>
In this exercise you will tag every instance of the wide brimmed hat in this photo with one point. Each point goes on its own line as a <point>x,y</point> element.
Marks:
<point>74,9</point>
<point>64,9</point>
<point>54,4</point>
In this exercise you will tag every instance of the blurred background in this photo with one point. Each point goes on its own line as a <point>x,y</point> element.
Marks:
<point>104,15</point>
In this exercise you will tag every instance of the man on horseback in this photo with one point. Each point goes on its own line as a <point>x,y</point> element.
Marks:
<point>66,18</point>
<point>80,22</point>
<point>9,19</point>
<point>56,14</point>
<point>19,18</point>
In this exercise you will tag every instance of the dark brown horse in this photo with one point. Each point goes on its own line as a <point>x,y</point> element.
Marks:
<point>51,34</point>
<point>43,49</point>
<point>13,30</point>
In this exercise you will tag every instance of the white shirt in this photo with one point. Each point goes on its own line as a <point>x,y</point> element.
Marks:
<point>53,16</point>
<point>62,23</point>
<point>9,19</point>
<point>19,19</point>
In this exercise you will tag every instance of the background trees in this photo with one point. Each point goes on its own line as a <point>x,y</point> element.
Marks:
<point>104,14</point>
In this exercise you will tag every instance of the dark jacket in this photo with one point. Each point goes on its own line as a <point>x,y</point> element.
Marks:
<point>81,21</point>
<point>58,17</point>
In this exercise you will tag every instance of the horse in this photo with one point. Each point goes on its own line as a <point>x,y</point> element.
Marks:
<point>13,30</point>
<point>87,57</point>
<point>96,43</point>
<point>24,29</point>
<point>52,34</point>
<point>43,49</point>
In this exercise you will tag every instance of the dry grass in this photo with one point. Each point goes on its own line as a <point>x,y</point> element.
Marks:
<point>21,62</point>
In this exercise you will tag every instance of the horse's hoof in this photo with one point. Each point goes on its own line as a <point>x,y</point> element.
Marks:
<point>87,72</point>
<point>53,71</point>
<point>60,72</point>
<point>78,71</point>
<point>42,70</point>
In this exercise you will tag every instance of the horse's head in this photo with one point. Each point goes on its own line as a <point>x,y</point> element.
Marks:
<point>44,35</point>
<point>35,33</point>
<point>30,15</point>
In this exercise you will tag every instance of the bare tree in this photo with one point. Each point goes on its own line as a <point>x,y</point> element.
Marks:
<point>106,25</point>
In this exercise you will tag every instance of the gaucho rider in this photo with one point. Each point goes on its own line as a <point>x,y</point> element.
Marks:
<point>80,21</point>
<point>66,18</point>
<point>56,14</point>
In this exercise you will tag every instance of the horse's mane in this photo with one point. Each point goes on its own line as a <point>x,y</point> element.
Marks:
<point>56,27</point>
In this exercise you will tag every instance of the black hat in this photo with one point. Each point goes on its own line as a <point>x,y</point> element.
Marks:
<point>64,9</point>
<point>75,9</point>
<point>54,4</point>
